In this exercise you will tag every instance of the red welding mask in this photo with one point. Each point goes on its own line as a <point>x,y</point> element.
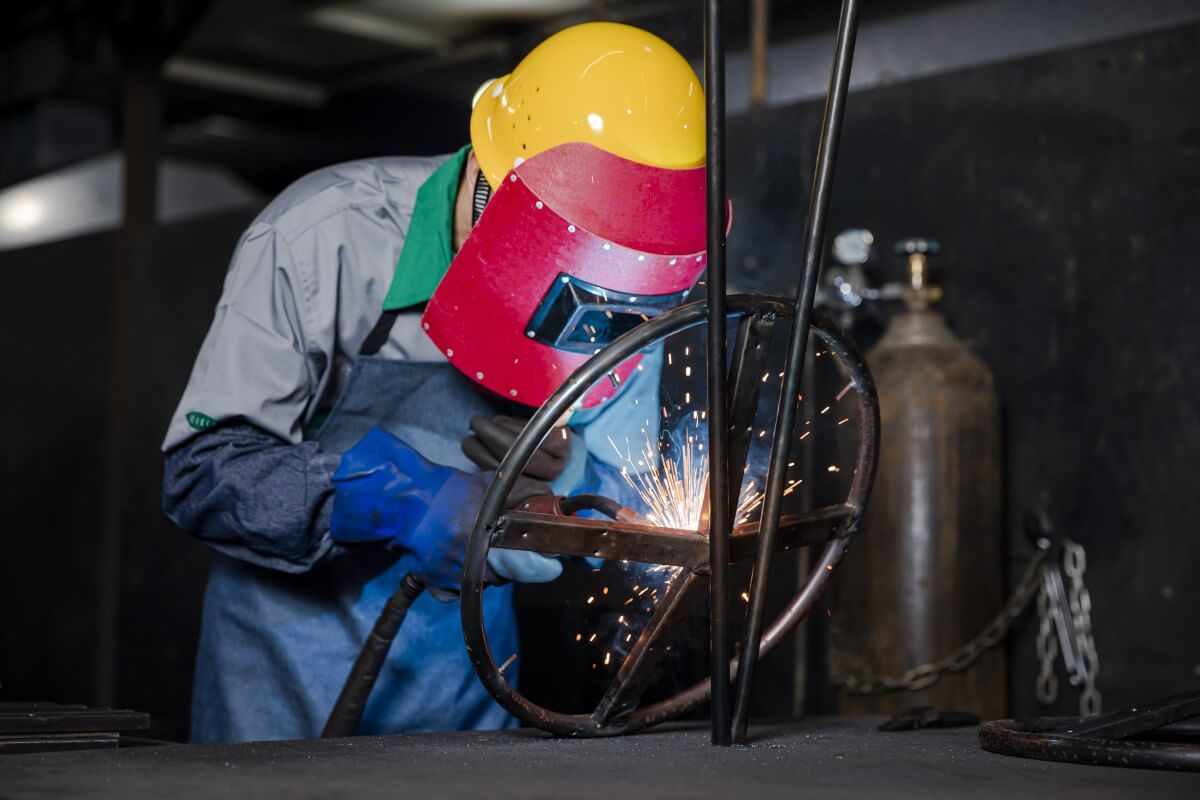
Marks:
<point>575,247</point>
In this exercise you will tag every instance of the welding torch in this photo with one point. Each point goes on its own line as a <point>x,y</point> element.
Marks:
<point>348,710</point>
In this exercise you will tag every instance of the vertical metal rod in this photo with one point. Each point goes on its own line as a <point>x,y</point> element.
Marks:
<point>814,235</point>
<point>141,143</point>
<point>804,560</point>
<point>760,13</point>
<point>718,430</point>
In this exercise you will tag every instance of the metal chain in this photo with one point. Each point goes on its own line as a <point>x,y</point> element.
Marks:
<point>925,675</point>
<point>1046,687</point>
<point>1075,565</point>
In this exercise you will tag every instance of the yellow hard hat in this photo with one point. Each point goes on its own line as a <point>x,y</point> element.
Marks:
<point>614,86</point>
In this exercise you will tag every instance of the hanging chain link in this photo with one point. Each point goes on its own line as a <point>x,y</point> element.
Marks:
<point>925,675</point>
<point>1047,650</point>
<point>1075,565</point>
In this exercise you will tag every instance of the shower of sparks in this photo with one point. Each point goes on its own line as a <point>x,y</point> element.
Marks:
<point>670,477</point>
<point>674,491</point>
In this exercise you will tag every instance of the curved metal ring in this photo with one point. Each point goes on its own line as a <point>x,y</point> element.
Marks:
<point>1051,739</point>
<point>543,420</point>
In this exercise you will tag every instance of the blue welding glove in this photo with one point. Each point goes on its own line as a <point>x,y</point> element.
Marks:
<point>385,491</point>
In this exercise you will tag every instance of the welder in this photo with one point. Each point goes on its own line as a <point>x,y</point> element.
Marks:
<point>380,321</point>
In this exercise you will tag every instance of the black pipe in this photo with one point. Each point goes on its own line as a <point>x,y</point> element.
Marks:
<point>348,710</point>
<point>814,237</point>
<point>718,432</point>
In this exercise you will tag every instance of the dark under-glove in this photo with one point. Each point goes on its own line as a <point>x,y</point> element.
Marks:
<point>493,436</point>
<point>385,491</point>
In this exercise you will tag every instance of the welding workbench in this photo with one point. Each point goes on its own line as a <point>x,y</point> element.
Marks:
<point>820,758</point>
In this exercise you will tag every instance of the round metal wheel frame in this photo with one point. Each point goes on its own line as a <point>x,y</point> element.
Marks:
<point>748,307</point>
<point>1054,739</point>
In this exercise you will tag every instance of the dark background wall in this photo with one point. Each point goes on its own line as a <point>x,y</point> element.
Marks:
<point>56,337</point>
<point>1065,189</point>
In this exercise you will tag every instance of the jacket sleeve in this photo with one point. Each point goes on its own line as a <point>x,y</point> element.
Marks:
<point>252,496</point>
<point>237,471</point>
<point>264,356</point>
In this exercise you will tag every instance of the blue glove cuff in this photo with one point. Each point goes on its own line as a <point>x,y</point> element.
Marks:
<point>382,488</point>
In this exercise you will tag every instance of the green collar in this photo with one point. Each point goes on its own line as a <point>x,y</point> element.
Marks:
<point>429,246</point>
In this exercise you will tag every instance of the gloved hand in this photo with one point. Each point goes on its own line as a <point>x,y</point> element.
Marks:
<point>493,436</point>
<point>385,491</point>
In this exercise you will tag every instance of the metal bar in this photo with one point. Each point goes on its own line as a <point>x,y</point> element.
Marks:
<point>749,357</point>
<point>810,679</point>
<point>1146,717</point>
<point>822,187</point>
<point>256,84</point>
<point>594,538</point>
<point>798,530</point>
<point>646,544</point>
<point>760,20</point>
<point>141,140</point>
<point>749,354</point>
<point>639,667</point>
<point>718,431</point>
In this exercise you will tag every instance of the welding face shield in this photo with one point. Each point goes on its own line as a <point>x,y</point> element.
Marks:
<point>575,247</point>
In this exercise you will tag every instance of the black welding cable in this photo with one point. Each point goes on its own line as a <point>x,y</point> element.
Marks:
<point>348,710</point>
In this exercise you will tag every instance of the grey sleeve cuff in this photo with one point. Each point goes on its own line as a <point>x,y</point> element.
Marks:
<point>252,496</point>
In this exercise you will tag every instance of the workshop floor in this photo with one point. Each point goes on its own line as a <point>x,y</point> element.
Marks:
<point>831,758</point>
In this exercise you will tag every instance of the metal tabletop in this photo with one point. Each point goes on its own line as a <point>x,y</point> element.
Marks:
<point>820,758</point>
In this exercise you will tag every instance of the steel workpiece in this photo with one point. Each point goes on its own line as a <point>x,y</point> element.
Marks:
<point>632,541</point>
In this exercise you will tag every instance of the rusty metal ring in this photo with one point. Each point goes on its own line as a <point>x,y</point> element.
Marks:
<point>1052,739</point>
<point>543,420</point>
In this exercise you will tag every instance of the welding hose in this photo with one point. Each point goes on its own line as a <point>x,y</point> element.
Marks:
<point>348,710</point>
<point>597,502</point>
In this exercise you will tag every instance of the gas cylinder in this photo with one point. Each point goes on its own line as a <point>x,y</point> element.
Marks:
<point>925,574</point>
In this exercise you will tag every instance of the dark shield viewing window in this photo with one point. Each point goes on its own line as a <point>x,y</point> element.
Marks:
<point>581,317</point>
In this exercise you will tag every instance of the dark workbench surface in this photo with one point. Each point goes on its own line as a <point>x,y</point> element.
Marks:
<point>834,758</point>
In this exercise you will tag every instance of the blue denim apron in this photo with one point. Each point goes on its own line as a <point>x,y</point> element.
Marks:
<point>275,648</point>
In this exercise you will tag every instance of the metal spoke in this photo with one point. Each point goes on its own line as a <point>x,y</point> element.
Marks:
<point>647,544</point>
<point>749,358</point>
<point>596,538</point>
<point>625,692</point>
